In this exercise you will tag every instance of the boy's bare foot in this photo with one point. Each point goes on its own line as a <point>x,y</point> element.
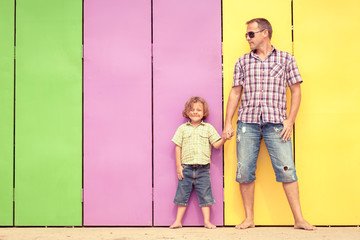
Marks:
<point>175,225</point>
<point>209,225</point>
<point>245,224</point>
<point>304,225</point>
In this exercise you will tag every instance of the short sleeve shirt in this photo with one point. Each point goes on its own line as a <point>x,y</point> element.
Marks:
<point>195,142</point>
<point>264,85</point>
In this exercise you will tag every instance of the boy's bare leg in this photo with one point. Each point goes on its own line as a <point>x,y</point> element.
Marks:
<point>206,214</point>
<point>247,193</point>
<point>179,216</point>
<point>292,193</point>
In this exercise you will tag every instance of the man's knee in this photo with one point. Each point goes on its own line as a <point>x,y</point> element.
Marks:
<point>243,175</point>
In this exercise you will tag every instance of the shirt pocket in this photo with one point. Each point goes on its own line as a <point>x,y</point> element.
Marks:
<point>278,80</point>
<point>187,147</point>
<point>205,144</point>
<point>277,71</point>
<point>186,139</point>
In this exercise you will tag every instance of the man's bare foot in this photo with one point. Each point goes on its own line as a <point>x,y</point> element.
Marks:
<point>176,225</point>
<point>209,225</point>
<point>245,224</point>
<point>304,225</point>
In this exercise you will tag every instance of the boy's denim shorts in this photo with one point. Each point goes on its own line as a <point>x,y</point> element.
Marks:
<point>248,145</point>
<point>197,176</point>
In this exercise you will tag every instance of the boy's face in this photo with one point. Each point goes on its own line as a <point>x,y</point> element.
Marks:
<point>196,113</point>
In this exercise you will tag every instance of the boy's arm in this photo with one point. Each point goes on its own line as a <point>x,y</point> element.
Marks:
<point>179,168</point>
<point>219,143</point>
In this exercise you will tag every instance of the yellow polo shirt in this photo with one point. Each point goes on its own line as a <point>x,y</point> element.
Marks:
<point>195,142</point>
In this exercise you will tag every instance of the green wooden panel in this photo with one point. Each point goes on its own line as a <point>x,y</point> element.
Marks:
<point>48,147</point>
<point>6,110</point>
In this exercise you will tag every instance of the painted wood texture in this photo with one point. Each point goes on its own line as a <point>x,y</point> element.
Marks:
<point>117,113</point>
<point>271,207</point>
<point>327,129</point>
<point>6,111</point>
<point>125,160</point>
<point>48,113</point>
<point>187,62</point>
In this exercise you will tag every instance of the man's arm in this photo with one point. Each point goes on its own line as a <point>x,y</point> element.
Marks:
<point>233,101</point>
<point>294,108</point>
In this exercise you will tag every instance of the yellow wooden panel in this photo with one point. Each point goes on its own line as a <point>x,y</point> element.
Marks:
<point>327,127</point>
<point>271,207</point>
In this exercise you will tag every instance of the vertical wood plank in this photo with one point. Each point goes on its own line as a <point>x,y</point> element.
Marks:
<point>269,195</point>
<point>327,129</point>
<point>187,62</point>
<point>6,111</point>
<point>48,113</point>
<point>117,113</point>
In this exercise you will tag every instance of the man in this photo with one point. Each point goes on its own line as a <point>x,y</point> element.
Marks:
<point>261,78</point>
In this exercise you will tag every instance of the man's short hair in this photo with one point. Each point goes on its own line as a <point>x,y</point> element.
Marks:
<point>263,24</point>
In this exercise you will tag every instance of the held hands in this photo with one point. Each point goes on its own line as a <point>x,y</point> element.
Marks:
<point>228,132</point>
<point>179,171</point>
<point>287,131</point>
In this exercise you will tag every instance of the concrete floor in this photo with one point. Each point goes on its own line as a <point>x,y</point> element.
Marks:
<point>156,233</point>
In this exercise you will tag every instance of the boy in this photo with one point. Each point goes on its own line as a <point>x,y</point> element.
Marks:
<point>192,152</point>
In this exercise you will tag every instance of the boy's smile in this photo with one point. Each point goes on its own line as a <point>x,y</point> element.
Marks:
<point>196,113</point>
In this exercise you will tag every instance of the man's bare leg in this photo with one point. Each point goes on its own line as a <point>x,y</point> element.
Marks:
<point>247,193</point>
<point>292,194</point>
<point>206,214</point>
<point>179,216</point>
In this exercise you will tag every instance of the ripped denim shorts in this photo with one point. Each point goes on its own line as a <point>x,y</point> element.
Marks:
<point>248,140</point>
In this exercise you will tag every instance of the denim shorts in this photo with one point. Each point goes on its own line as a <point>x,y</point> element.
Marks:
<point>248,139</point>
<point>197,176</point>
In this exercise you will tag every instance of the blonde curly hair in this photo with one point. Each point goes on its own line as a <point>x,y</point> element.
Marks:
<point>191,101</point>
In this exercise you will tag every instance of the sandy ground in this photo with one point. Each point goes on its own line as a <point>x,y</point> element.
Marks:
<point>154,233</point>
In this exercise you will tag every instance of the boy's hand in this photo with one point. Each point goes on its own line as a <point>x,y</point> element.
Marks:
<point>179,171</point>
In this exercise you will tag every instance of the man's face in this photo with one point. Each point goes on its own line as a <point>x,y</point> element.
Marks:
<point>258,38</point>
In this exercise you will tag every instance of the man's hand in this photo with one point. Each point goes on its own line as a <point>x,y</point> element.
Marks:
<point>179,171</point>
<point>228,132</point>
<point>287,131</point>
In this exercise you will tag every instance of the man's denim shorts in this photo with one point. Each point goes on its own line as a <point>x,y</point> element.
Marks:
<point>248,145</point>
<point>199,177</point>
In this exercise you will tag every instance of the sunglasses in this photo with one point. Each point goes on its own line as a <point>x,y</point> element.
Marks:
<point>252,34</point>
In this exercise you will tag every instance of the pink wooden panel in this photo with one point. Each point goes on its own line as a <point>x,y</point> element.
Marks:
<point>117,113</point>
<point>187,62</point>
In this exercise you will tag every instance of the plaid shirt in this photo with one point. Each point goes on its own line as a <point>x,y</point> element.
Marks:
<point>195,142</point>
<point>264,85</point>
